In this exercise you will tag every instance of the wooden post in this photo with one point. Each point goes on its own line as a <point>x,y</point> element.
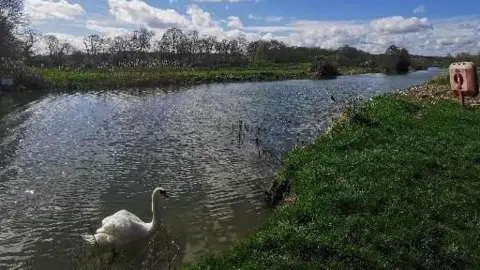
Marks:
<point>461,97</point>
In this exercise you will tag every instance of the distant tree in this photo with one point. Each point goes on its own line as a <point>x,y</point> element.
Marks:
<point>177,48</point>
<point>173,40</point>
<point>53,46</point>
<point>57,50</point>
<point>464,56</point>
<point>141,41</point>
<point>396,60</point>
<point>419,63</point>
<point>78,58</point>
<point>320,67</point>
<point>193,45</point>
<point>29,38</point>
<point>93,45</point>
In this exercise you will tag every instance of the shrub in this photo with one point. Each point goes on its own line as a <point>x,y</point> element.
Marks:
<point>23,76</point>
<point>323,68</point>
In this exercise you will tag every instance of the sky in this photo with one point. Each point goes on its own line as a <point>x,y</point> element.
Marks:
<point>425,27</point>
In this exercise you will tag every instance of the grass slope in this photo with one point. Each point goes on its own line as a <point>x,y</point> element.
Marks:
<point>396,184</point>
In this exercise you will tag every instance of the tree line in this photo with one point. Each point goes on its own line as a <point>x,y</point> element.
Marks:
<point>179,49</point>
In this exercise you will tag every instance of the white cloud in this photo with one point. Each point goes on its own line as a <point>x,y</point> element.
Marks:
<point>419,9</point>
<point>139,13</point>
<point>268,36</point>
<point>76,41</point>
<point>41,10</point>
<point>106,28</point>
<point>273,18</point>
<point>400,25</point>
<point>234,22</point>
<point>450,35</point>
<point>267,18</point>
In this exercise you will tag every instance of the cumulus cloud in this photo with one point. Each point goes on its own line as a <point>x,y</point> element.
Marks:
<point>234,22</point>
<point>41,10</point>
<point>400,25</point>
<point>139,13</point>
<point>420,9</point>
<point>416,34</point>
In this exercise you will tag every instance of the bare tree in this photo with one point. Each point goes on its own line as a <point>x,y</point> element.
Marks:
<point>118,50</point>
<point>29,38</point>
<point>57,49</point>
<point>142,39</point>
<point>67,48</point>
<point>173,39</point>
<point>192,40</point>
<point>53,44</point>
<point>78,58</point>
<point>93,45</point>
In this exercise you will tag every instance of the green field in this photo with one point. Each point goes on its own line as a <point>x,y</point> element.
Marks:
<point>130,77</point>
<point>395,184</point>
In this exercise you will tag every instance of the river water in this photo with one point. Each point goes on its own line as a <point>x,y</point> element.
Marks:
<point>68,160</point>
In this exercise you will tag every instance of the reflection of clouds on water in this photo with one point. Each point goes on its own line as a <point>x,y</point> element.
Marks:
<point>72,159</point>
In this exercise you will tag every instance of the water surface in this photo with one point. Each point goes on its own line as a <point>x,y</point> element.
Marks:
<point>69,160</point>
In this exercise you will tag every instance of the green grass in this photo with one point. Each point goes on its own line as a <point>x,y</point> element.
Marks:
<point>130,77</point>
<point>394,185</point>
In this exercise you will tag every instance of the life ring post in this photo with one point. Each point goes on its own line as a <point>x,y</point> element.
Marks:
<point>463,80</point>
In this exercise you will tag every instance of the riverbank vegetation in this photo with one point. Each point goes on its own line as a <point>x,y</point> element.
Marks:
<point>133,77</point>
<point>392,185</point>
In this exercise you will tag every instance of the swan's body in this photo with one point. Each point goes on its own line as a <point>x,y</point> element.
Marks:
<point>124,227</point>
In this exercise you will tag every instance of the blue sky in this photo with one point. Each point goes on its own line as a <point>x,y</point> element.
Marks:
<point>312,9</point>
<point>427,27</point>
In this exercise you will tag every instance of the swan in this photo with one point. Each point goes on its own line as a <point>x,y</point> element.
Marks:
<point>124,227</point>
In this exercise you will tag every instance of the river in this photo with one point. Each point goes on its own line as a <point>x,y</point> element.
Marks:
<point>67,160</point>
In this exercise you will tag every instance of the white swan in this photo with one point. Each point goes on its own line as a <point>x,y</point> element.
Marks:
<point>124,227</point>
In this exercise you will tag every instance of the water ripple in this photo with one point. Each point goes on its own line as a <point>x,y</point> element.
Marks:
<point>69,160</point>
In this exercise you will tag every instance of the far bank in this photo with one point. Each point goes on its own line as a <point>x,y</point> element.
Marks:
<point>131,77</point>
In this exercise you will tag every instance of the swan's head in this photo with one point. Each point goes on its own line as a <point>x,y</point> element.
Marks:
<point>160,191</point>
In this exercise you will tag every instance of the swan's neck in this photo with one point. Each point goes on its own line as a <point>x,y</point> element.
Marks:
<point>154,214</point>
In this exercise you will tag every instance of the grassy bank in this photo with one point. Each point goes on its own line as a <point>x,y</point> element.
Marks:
<point>130,77</point>
<point>394,184</point>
